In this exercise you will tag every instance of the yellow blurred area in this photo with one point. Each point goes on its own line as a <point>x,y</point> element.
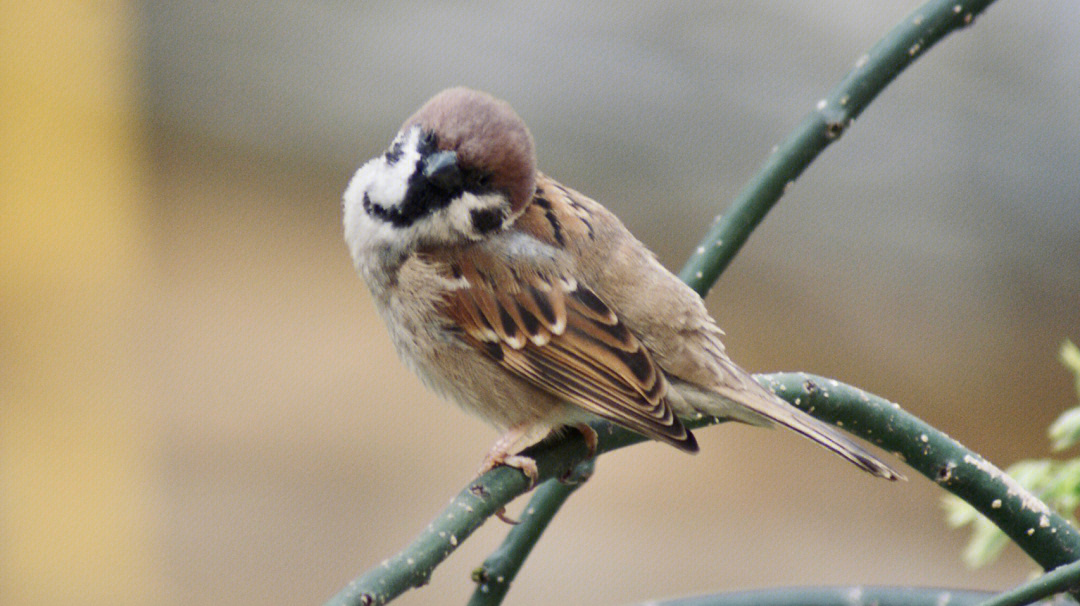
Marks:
<point>74,525</point>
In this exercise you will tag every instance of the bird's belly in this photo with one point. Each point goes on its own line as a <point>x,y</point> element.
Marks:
<point>462,374</point>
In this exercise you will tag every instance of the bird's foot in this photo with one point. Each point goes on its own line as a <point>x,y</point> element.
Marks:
<point>592,439</point>
<point>495,458</point>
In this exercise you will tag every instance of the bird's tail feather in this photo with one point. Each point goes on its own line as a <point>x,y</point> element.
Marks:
<point>754,404</point>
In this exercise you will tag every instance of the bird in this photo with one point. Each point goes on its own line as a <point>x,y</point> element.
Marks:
<point>531,305</point>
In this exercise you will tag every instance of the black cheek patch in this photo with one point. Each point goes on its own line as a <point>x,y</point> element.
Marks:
<point>485,220</point>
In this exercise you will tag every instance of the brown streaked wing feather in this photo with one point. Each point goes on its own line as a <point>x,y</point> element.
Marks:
<point>557,334</point>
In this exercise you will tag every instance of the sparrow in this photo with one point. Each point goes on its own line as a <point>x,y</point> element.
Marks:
<point>531,305</point>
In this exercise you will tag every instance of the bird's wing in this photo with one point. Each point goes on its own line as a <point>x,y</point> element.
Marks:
<point>554,332</point>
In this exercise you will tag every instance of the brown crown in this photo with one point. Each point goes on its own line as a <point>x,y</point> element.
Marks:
<point>487,135</point>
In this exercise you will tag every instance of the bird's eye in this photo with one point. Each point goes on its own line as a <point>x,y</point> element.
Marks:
<point>427,143</point>
<point>476,180</point>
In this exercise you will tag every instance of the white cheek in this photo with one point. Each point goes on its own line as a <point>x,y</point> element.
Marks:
<point>387,185</point>
<point>383,184</point>
<point>354,193</point>
<point>362,232</point>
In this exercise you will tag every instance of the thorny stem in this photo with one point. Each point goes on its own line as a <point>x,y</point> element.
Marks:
<point>494,576</point>
<point>1064,578</point>
<point>1044,535</point>
<point>412,567</point>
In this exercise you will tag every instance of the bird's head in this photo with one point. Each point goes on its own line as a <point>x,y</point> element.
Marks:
<point>461,168</point>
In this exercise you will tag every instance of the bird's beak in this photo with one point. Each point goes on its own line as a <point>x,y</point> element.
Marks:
<point>441,169</point>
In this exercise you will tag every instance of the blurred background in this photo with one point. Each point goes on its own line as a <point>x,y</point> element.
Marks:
<point>199,406</point>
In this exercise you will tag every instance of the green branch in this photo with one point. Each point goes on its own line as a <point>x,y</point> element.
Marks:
<point>494,576</point>
<point>1050,584</point>
<point>857,595</point>
<point>1042,534</point>
<point>871,74</point>
<point>1047,538</point>
<point>1059,580</point>
<point>412,567</point>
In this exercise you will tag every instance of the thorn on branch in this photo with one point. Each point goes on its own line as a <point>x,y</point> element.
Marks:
<point>945,472</point>
<point>834,128</point>
<point>505,518</point>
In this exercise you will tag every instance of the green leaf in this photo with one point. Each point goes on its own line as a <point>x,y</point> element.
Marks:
<point>1055,482</point>
<point>1065,431</point>
<point>985,545</point>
